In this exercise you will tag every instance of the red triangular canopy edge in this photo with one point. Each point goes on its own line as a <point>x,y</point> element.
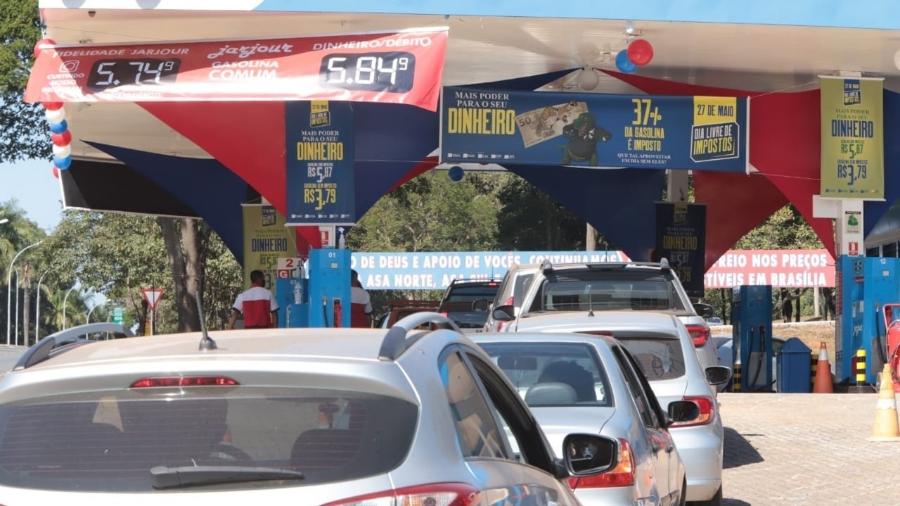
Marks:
<point>784,148</point>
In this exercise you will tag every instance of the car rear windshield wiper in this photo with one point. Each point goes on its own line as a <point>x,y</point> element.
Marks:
<point>193,476</point>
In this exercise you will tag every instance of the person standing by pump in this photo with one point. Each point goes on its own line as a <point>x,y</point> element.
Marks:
<point>257,304</point>
<point>360,303</point>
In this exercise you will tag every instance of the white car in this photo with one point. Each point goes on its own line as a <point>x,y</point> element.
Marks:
<point>663,348</point>
<point>591,287</point>
<point>591,384</point>
<point>337,417</point>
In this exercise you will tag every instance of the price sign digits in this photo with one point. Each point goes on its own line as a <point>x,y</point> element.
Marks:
<point>392,72</point>
<point>111,73</point>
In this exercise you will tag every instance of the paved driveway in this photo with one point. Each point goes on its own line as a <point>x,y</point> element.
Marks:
<point>799,449</point>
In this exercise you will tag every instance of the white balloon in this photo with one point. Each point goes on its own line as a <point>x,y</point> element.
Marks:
<point>588,79</point>
<point>56,116</point>
<point>62,151</point>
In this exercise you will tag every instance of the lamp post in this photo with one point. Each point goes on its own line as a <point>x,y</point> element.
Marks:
<point>37,311</point>
<point>66,298</point>
<point>16,331</point>
<point>88,319</point>
<point>9,289</point>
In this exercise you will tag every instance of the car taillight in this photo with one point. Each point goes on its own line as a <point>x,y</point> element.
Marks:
<point>444,313</point>
<point>699,334</point>
<point>510,301</point>
<point>620,476</point>
<point>435,494</point>
<point>184,381</point>
<point>707,407</point>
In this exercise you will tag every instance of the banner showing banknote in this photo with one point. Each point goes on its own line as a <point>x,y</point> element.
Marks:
<point>593,130</point>
<point>547,123</point>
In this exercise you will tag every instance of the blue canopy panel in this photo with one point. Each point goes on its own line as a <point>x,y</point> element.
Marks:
<point>874,211</point>
<point>203,184</point>
<point>619,203</point>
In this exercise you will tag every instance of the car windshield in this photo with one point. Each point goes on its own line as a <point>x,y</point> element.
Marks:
<point>467,305</point>
<point>604,289</point>
<point>243,436</point>
<point>553,374</point>
<point>659,358</point>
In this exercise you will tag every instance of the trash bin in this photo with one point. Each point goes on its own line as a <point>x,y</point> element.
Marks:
<point>793,367</point>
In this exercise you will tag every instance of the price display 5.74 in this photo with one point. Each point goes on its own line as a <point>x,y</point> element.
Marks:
<point>111,73</point>
<point>392,72</point>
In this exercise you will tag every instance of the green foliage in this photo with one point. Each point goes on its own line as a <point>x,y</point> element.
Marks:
<point>785,229</point>
<point>24,133</point>
<point>430,213</point>
<point>531,220</point>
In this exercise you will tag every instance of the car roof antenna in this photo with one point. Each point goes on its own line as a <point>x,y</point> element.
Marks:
<point>206,342</point>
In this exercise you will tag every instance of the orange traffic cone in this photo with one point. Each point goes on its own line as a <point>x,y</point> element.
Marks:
<point>886,425</point>
<point>823,383</point>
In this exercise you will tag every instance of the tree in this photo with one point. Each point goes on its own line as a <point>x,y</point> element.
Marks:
<point>15,235</point>
<point>24,134</point>
<point>531,220</point>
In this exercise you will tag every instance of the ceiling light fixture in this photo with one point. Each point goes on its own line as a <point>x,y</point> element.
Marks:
<point>629,28</point>
<point>588,78</point>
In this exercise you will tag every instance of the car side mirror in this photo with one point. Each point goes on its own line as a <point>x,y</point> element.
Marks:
<point>718,375</point>
<point>504,313</point>
<point>587,454</point>
<point>704,310</point>
<point>683,411</point>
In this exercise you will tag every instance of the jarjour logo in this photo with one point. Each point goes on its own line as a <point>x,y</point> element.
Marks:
<point>319,116</point>
<point>852,92</point>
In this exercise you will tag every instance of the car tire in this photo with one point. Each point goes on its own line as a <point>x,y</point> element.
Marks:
<point>715,501</point>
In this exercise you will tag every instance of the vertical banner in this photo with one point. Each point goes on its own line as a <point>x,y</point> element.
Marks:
<point>852,138</point>
<point>681,239</point>
<point>320,153</point>
<point>266,239</point>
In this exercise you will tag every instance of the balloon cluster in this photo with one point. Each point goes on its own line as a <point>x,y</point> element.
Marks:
<point>638,53</point>
<point>59,127</point>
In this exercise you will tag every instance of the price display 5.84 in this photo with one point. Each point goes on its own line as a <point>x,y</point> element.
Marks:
<point>111,73</point>
<point>392,72</point>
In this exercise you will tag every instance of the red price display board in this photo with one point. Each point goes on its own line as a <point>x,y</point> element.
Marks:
<point>399,67</point>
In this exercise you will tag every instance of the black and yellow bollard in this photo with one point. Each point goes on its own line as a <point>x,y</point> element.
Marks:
<point>736,378</point>
<point>859,366</point>
<point>813,365</point>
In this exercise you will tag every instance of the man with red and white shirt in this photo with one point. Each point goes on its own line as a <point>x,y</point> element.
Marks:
<point>257,304</point>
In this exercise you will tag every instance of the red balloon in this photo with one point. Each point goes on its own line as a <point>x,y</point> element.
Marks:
<point>640,52</point>
<point>42,42</point>
<point>63,139</point>
<point>55,172</point>
<point>52,106</point>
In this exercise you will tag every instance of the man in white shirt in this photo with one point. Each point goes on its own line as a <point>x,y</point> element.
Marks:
<point>360,303</point>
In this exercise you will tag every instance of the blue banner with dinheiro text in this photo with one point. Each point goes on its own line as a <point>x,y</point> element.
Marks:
<point>593,130</point>
<point>435,271</point>
<point>320,155</point>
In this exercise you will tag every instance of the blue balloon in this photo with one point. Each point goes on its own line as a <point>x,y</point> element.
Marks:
<point>60,127</point>
<point>62,163</point>
<point>455,173</point>
<point>623,63</point>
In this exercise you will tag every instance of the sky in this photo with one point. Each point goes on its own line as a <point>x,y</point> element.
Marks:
<point>32,185</point>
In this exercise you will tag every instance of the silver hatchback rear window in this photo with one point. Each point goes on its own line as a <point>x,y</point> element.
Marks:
<point>111,440</point>
<point>659,358</point>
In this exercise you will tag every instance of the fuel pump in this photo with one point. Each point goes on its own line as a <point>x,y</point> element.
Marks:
<point>329,287</point>
<point>752,336</point>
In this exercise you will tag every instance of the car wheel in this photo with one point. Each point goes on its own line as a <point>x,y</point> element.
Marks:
<point>715,501</point>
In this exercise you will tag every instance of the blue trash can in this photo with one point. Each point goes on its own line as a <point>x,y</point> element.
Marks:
<point>793,367</point>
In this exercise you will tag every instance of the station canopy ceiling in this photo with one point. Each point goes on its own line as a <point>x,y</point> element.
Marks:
<point>484,49</point>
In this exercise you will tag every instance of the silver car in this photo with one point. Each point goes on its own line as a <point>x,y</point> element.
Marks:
<point>636,286</point>
<point>663,349</point>
<point>277,417</point>
<point>591,384</point>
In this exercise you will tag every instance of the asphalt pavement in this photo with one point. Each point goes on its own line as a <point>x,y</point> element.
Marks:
<point>799,449</point>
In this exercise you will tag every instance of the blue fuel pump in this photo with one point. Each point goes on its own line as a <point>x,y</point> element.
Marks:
<point>329,288</point>
<point>322,300</point>
<point>752,336</point>
<point>864,286</point>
